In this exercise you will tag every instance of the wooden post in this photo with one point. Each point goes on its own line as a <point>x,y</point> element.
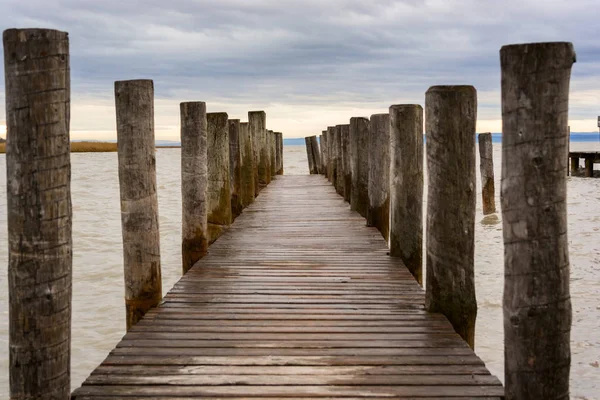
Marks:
<point>273,154</point>
<point>589,166</point>
<point>347,172</point>
<point>38,171</point>
<point>279,138</point>
<point>339,161</point>
<point>568,146</point>
<point>235,168</point>
<point>486,167</point>
<point>406,186</point>
<point>139,204</point>
<point>537,305</point>
<point>323,143</point>
<point>451,112</point>
<point>359,165</point>
<point>314,144</point>
<point>257,121</point>
<point>331,154</point>
<point>194,181</point>
<point>574,164</point>
<point>218,193</point>
<point>247,166</point>
<point>378,214</point>
<point>310,155</point>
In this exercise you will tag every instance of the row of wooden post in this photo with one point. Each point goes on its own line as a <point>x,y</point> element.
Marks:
<point>224,165</point>
<point>377,165</point>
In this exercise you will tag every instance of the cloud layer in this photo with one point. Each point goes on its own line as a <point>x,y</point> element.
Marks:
<point>308,63</point>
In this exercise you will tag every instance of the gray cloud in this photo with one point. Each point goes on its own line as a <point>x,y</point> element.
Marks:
<point>335,58</point>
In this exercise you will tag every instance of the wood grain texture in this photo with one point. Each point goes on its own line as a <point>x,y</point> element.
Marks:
<point>359,165</point>
<point>139,203</point>
<point>194,183</point>
<point>257,121</point>
<point>310,156</point>
<point>339,161</point>
<point>323,152</point>
<point>273,154</point>
<point>378,214</point>
<point>314,144</point>
<point>218,193</point>
<point>451,113</point>
<point>537,302</point>
<point>40,246</point>
<point>279,153</point>
<point>247,167</point>
<point>486,167</point>
<point>235,168</point>
<point>290,304</point>
<point>406,186</point>
<point>346,168</point>
<point>331,154</point>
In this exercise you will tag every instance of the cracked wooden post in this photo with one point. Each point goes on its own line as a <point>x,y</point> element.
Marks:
<point>378,214</point>
<point>139,203</point>
<point>537,305</point>
<point>323,144</point>
<point>451,113</point>
<point>257,121</point>
<point>235,171</point>
<point>273,155</point>
<point>309,156</point>
<point>279,155</point>
<point>331,154</point>
<point>359,165</point>
<point>486,167</point>
<point>339,161</point>
<point>38,171</point>
<point>194,181</point>
<point>346,171</point>
<point>247,166</point>
<point>406,186</point>
<point>314,144</point>
<point>218,193</point>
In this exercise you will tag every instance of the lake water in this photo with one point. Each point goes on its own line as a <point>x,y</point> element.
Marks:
<point>98,307</point>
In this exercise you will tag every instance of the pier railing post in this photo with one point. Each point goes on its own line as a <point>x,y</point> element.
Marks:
<point>247,166</point>
<point>378,214</point>
<point>537,305</point>
<point>347,172</point>
<point>339,161</point>
<point>273,154</point>
<point>406,186</point>
<point>257,121</point>
<point>323,145</point>
<point>235,171</point>
<point>486,167</point>
<point>38,170</point>
<point>451,113</point>
<point>194,181</point>
<point>279,155</point>
<point>139,203</point>
<point>218,193</point>
<point>331,154</point>
<point>310,156</point>
<point>314,144</point>
<point>359,165</point>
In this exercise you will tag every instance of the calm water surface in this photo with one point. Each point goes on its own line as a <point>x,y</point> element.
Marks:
<point>98,307</point>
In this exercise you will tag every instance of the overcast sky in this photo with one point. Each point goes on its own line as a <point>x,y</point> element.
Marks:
<point>308,64</point>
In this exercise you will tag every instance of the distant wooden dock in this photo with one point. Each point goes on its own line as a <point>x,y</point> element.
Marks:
<point>589,157</point>
<point>294,302</point>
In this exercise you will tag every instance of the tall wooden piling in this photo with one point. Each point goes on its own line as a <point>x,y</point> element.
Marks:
<point>347,172</point>
<point>451,112</point>
<point>218,193</point>
<point>194,181</point>
<point>139,203</point>
<point>314,144</point>
<point>339,160</point>
<point>235,168</point>
<point>406,186</point>
<point>312,169</point>
<point>537,305</point>
<point>257,120</point>
<point>331,154</point>
<point>359,165</point>
<point>273,155</point>
<point>38,170</point>
<point>247,165</point>
<point>335,134</point>
<point>486,167</point>
<point>323,145</point>
<point>279,155</point>
<point>378,214</point>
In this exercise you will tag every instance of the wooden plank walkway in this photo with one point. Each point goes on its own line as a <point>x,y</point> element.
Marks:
<point>297,300</point>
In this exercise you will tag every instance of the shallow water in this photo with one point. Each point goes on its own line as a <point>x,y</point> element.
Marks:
<point>98,308</point>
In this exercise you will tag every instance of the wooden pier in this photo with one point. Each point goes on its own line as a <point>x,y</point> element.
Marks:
<point>292,302</point>
<point>589,157</point>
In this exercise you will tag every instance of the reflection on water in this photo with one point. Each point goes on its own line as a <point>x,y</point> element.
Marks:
<point>98,306</point>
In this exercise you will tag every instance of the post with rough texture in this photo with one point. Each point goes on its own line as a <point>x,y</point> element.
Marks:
<point>257,121</point>
<point>279,154</point>
<point>139,203</point>
<point>359,165</point>
<point>406,186</point>
<point>193,183</point>
<point>38,171</point>
<point>339,161</point>
<point>309,156</point>
<point>451,112</point>
<point>323,143</point>
<point>486,167</point>
<point>273,153</point>
<point>314,144</point>
<point>537,302</point>
<point>247,166</point>
<point>218,193</point>
<point>331,154</point>
<point>378,214</point>
<point>235,171</point>
<point>346,171</point>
